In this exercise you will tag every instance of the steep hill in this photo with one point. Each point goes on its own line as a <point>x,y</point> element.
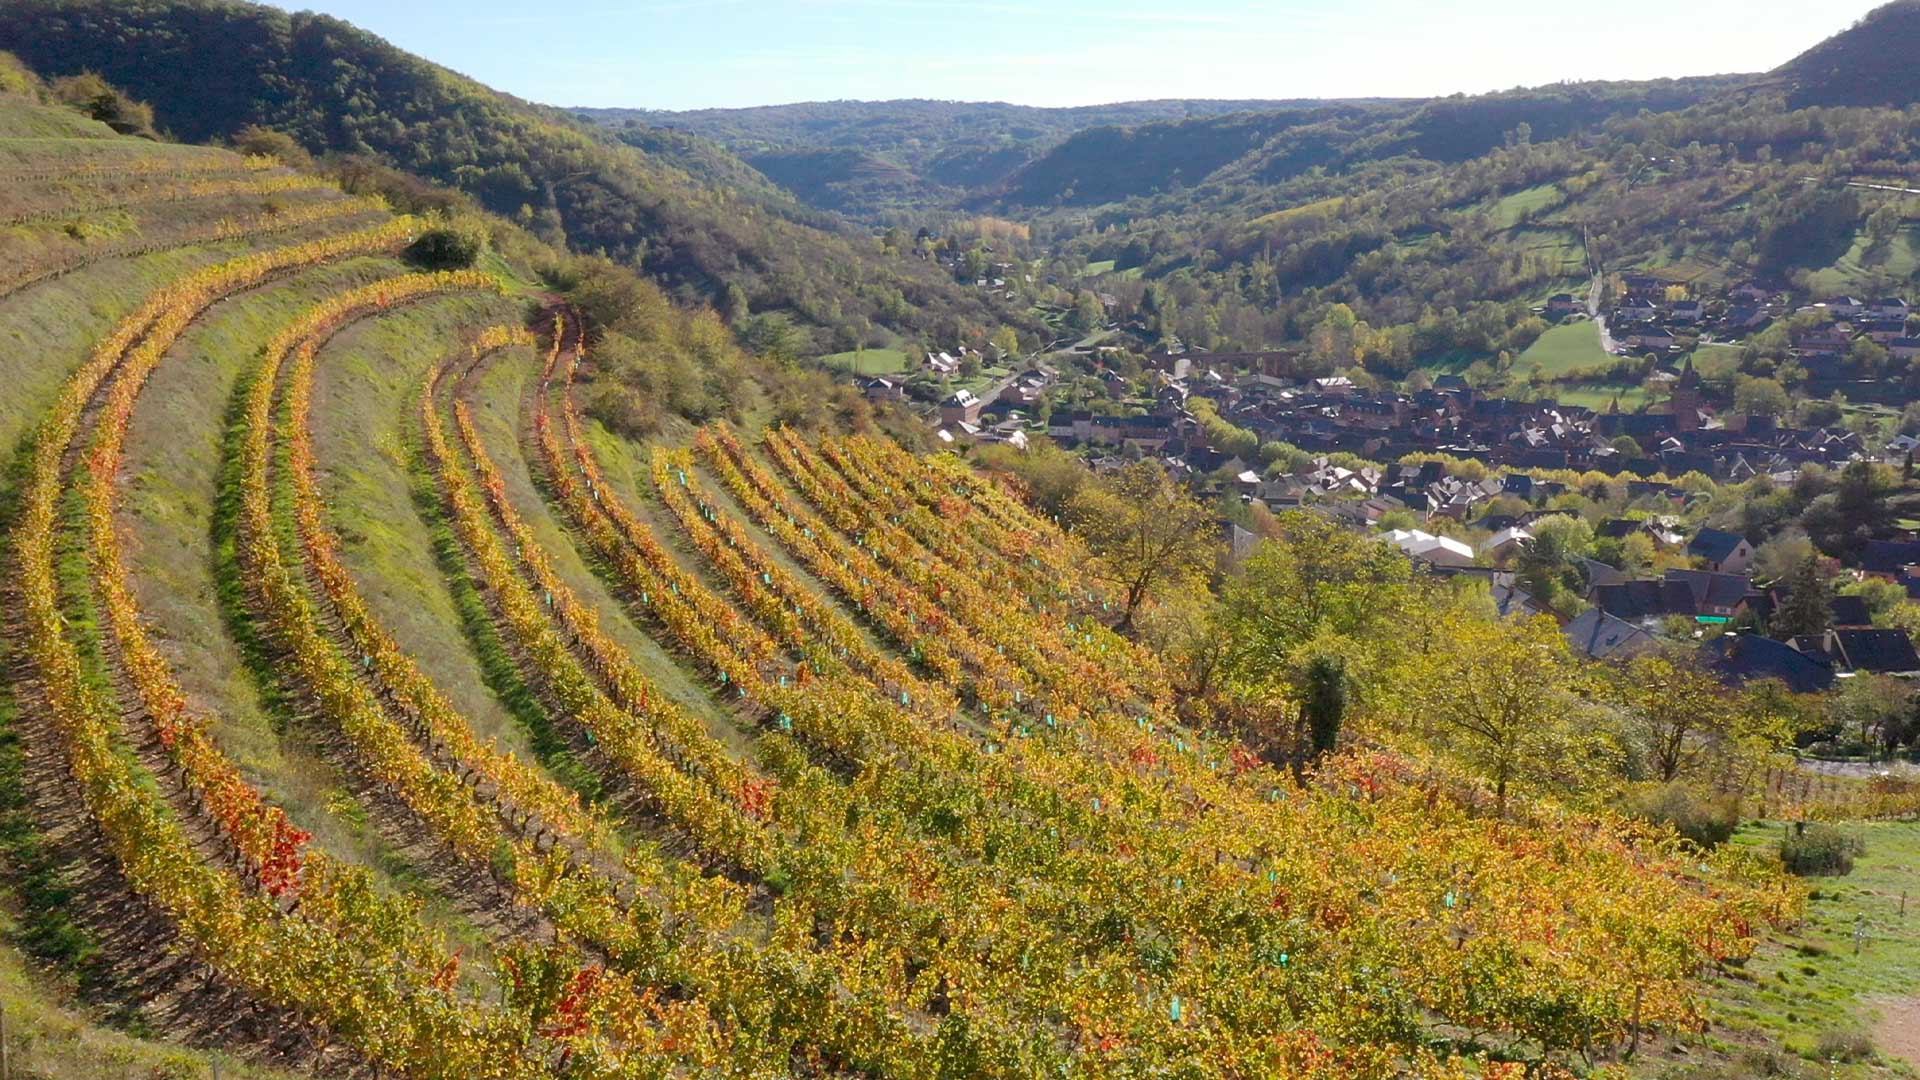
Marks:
<point>1869,64</point>
<point>1268,147</point>
<point>371,709</point>
<point>684,211</point>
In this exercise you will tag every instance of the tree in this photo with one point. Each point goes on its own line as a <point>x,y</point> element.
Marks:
<point>1779,557</point>
<point>1808,605</point>
<point>1144,532</point>
<point>1323,702</point>
<point>1549,563</point>
<point>1308,578</point>
<point>1761,397</point>
<point>1053,475</point>
<point>1007,340</point>
<point>1882,225</point>
<point>1679,709</point>
<point>1869,708</point>
<point>1500,691</point>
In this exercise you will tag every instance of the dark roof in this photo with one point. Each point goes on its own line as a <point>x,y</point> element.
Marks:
<point>1709,589</point>
<point>1599,635</point>
<point>1618,528</point>
<point>1644,599</point>
<point>1876,650</point>
<point>1888,556</point>
<point>1743,658</point>
<point>1849,611</point>
<point>1714,544</point>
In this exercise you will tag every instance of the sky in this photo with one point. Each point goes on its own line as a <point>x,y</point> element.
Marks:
<point>681,54</point>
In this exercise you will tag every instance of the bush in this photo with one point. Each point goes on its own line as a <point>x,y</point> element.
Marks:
<point>1707,822</point>
<point>15,78</point>
<point>451,245</point>
<point>1844,1046</point>
<point>93,96</point>
<point>266,142</point>
<point>1820,851</point>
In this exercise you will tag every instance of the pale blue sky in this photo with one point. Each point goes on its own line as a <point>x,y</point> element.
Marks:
<point>695,53</point>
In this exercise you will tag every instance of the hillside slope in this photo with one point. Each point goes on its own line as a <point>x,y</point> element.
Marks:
<point>872,159</point>
<point>211,67</point>
<point>1870,63</point>
<point>371,709</point>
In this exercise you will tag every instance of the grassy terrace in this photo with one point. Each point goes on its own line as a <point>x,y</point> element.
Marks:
<point>1814,984</point>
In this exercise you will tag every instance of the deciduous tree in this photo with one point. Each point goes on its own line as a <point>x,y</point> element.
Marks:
<point>1144,533</point>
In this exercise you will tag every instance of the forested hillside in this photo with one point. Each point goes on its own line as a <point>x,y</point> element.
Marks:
<point>685,212</point>
<point>872,159</point>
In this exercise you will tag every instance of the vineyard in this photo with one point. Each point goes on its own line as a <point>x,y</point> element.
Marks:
<point>366,694</point>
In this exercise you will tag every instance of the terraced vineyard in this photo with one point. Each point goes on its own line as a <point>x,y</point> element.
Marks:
<point>367,696</point>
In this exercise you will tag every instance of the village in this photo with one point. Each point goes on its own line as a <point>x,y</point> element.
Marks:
<point>1459,477</point>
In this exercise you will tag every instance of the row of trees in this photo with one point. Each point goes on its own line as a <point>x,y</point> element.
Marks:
<point>1322,628</point>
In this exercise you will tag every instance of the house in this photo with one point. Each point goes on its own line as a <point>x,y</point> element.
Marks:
<point>1827,344</point>
<point>1643,286</point>
<point>1504,543</point>
<point>1600,636</point>
<point>960,407</point>
<point>1686,311</point>
<point>1513,602</point>
<point>1643,600</point>
<point>1715,595</point>
<point>1849,611</point>
<point>942,363</point>
<point>884,389</point>
<point>1890,307</point>
<point>1881,652</point>
<point>1439,551</point>
<point>1739,659</point>
<point>1649,337</point>
<point>1599,573</point>
<point>1845,305</point>
<point>1889,559</point>
<point>1904,348</point>
<point>1561,305</point>
<point>1720,551</point>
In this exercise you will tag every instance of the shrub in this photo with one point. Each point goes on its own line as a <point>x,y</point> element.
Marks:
<point>15,78</point>
<point>1820,851</point>
<point>266,142</point>
<point>1707,822</point>
<point>452,244</point>
<point>1844,1046</point>
<point>93,96</point>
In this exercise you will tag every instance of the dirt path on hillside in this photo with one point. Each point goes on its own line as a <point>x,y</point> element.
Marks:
<point>1899,1032</point>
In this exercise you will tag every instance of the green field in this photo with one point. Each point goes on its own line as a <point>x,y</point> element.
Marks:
<point>1598,398</point>
<point>1506,213</point>
<point>869,362</point>
<point>1812,980</point>
<point>1900,259</point>
<point>1104,266</point>
<point>1566,348</point>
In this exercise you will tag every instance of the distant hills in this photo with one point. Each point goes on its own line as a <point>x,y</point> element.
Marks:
<point>862,157</point>
<point>873,159</point>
